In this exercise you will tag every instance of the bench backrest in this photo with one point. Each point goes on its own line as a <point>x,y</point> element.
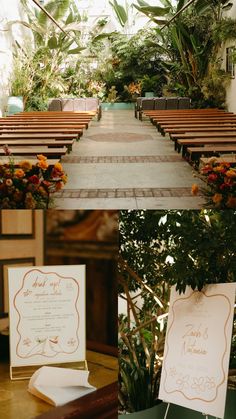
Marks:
<point>74,104</point>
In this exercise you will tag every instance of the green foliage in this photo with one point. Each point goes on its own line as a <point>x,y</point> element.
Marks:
<point>120,11</point>
<point>130,60</point>
<point>112,95</point>
<point>139,382</point>
<point>188,248</point>
<point>38,68</point>
<point>192,42</point>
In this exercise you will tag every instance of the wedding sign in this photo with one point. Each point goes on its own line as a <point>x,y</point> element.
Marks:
<point>47,315</point>
<point>197,348</point>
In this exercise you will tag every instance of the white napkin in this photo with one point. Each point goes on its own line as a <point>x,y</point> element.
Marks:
<point>58,386</point>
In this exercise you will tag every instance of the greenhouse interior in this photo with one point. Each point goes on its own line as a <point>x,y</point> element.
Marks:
<point>117,209</point>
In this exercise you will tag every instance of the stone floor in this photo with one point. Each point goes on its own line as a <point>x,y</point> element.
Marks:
<point>123,163</point>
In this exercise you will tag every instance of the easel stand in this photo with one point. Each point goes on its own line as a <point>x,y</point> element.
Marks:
<point>167,410</point>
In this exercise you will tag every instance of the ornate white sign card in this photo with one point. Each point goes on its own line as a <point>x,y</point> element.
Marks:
<point>47,315</point>
<point>197,348</point>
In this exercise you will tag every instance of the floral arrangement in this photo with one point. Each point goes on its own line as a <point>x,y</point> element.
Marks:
<point>25,185</point>
<point>221,184</point>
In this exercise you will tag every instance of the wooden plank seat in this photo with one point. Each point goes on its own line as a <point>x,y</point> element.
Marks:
<point>196,152</point>
<point>55,136</point>
<point>52,124</point>
<point>53,115</point>
<point>180,127</point>
<point>195,120</point>
<point>92,113</point>
<point>19,130</point>
<point>202,136</point>
<point>230,158</point>
<point>48,119</point>
<point>38,142</point>
<point>89,113</point>
<point>211,134</point>
<point>186,115</point>
<point>199,128</point>
<point>192,118</point>
<point>55,152</point>
<point>158,112</point>
<point>33,161</point>
<point>201,142</point>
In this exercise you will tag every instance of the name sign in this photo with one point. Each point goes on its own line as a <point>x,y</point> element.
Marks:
<point>197,348</point>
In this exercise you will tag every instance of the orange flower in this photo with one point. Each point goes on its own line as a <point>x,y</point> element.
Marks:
<point>58,167</point>
<point>19,173</point>
<point>26,165</point>
<point>41,157</point>
<point>64,178</point>
<point>231,173</point>
<point>195,189</point>
<point>59,185</point>
<point>231,203</point>
<point>217,198</point>
<point>220,169</point>
<point>43,164</point>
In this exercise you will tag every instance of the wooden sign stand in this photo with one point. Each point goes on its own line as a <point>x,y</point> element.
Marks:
<point>25,372</point>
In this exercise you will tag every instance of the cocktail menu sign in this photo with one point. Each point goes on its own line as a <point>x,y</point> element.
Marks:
<point>47,315</point>
<point>197,348</point>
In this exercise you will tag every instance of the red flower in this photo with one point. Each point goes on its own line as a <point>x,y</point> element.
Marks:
<point>212,177</point>
<point>224,186</point>
<point>34,179</point>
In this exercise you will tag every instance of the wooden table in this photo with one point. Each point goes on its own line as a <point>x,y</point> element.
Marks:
<point>17,403</point>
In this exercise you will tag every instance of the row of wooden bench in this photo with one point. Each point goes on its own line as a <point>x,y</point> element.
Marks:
<point>198,132</point>
<point>49,133</point>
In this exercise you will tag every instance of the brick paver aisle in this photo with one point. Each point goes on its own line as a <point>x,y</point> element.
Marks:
<point>124,163</point>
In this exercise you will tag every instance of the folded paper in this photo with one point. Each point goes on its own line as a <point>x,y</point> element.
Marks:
<point>58,386</point>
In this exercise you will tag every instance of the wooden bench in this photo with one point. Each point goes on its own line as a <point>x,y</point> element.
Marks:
<point>17,161</point>
<point>40,128</point>
<point>173,115</point>
<point>44,120</point>
<point>36,142</point>
<point>89,113</point>
<point>63,115</point>
<point>160,124</point>
<point>169,112</point>
<point>200,128</point>
<point>55,136</point>
<point>205,141</point>
<point>223,159</point>
<point>51,124</point>
<point>20,130</point>
<point>34,151</point>
<point>196,152</point>
<point>211,134</point>
<point>202,136</point>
